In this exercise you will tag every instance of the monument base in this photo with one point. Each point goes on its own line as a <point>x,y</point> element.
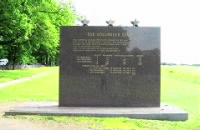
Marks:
<point>165,112</point>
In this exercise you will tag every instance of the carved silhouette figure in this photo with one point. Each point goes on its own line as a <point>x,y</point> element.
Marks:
<point>104,82</point>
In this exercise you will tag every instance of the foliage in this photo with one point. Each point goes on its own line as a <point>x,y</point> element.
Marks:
<point>29,30</point>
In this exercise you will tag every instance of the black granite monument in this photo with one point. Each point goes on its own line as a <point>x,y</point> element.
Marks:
<point>110,66</point>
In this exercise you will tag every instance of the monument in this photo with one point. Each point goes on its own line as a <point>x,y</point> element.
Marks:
<point>108,71</point>
<point>110,66</point>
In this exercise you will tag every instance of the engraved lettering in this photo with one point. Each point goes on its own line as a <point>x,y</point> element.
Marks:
<point>91,34</point>
<point>107,53</point>
<point>97,59</point>
<point>140,57</point>
<point>124,61</point>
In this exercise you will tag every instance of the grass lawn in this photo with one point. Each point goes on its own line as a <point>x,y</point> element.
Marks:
<point>7,75</point>
<point>179,86</point>
<point>40,89</point>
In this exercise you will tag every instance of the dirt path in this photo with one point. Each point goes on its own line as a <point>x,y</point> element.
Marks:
<point>23,124</point>
<point>6,84</point>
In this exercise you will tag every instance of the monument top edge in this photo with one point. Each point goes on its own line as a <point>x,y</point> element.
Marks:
<point>113,26</point>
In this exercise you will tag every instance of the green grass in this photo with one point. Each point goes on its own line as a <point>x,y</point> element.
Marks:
<point>183,73</point>
<point>179,86</point>
<point>44,88</point>
<point>7,75</point>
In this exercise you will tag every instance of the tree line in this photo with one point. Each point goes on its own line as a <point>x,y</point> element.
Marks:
<point>29,30</point>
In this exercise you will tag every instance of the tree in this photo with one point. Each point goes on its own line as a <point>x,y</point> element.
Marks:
<point>29,30</point>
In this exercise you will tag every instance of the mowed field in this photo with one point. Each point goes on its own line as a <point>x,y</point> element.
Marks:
<point>7,75</point>
<point>180,86</point>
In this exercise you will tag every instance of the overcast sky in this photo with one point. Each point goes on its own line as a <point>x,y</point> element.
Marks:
<point>179,21</point>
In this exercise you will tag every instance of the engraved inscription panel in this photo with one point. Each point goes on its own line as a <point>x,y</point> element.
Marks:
<point>110,66</point>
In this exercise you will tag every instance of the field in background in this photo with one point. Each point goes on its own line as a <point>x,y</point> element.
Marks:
<point>43,88</point>
<point>7,75</point>
<point>179,86</point>
<point>189,74</point>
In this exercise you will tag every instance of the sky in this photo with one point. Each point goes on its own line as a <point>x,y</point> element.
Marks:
<point>179,21</point>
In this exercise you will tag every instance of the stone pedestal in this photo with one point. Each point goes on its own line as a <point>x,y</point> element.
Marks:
<point>165,112</point>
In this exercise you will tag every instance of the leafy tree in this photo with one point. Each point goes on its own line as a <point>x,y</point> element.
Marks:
<point>29,30</point>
